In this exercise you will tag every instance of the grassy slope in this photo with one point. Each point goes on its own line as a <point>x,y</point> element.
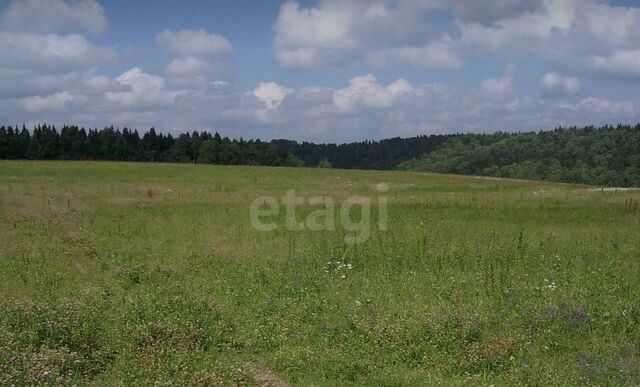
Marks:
<point>116,272</point>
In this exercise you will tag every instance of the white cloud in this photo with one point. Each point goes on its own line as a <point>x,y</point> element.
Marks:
<point>554,84</point>
<point>591,37</point>
<point>193,43</point>
<point>99,84</point>
<point>612,26</point>
<point>581,36</point>
<point>200,56</point>
<point>435,54</point>
<point>299,57</point>
<point>56,77</point>
<point>147,91</point>
<point>19,83</point>
<point>50,53</point>
<point>364,108</point>
<point>325,27</point>
<point>341,32</point>
<point>188,66</point>
<point>556,17</point>
<point>54,15</point>
<point>57,102</point>
<point>42,64</point>
<point>595,105</point>
<point>497,87</point>
<point>488,12</point>
<point>271,94</point>
<point>365,91</point>
<point>624,64</point>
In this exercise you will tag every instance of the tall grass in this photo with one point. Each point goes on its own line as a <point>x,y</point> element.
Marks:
<point>117,273</point>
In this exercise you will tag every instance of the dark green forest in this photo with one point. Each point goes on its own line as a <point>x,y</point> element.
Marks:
<point>385,154</point>
<point>44,142</point>
<point>608,156</point>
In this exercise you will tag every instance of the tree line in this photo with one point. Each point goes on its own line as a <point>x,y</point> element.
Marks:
<point>44,142</point>
<point>607,156</point>
<point>383,155</point>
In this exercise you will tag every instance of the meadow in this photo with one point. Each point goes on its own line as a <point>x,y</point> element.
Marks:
<point>137,274</point>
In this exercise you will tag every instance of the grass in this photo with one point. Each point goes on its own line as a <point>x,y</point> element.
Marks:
<point>119,273</point>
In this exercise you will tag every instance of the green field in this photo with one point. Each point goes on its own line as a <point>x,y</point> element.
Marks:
<point>133,273</point>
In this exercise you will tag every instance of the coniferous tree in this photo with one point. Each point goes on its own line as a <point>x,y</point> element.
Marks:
<point>605,156</point>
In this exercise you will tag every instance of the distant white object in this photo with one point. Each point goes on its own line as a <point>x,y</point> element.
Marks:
<point>614,189</point>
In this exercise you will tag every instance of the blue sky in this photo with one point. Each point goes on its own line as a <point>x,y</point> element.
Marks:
<point>326,70</point>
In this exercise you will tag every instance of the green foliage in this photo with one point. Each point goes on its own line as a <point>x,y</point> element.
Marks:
<point>324,163</point>
<point>607,156</point>
<point>383,155</point>
<point>72,143</point>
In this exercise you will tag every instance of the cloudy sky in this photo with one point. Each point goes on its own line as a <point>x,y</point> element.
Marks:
<point>326,70</point>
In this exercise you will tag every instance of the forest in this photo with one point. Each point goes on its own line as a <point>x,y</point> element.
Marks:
<point>44,142</point>
<point>608,155</point>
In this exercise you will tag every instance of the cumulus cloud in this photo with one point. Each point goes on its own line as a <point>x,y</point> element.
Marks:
<point>49,103</point>
<point>557,16</point>
<point>339,32</point>
<point>198,57</point>
<point>146,91</point>
<point>488,12</point>
<point>587,36</point>
<point>99,84</point>
<point>365,91</point>
<point>42,62</point>
<point>554,84</point>
<point>497,87</point>
<point>54,16</point>
<point>595,105</point>
<point>188,66</point>
<point>591,37</point>
<point>501,87</point>
<point>435,54</point>
<point>363,108</point>
<point>50,53</point>
<point>624,64</point>
<point>271,94</point>
<point>52,73</point>
<point>193,43</point>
